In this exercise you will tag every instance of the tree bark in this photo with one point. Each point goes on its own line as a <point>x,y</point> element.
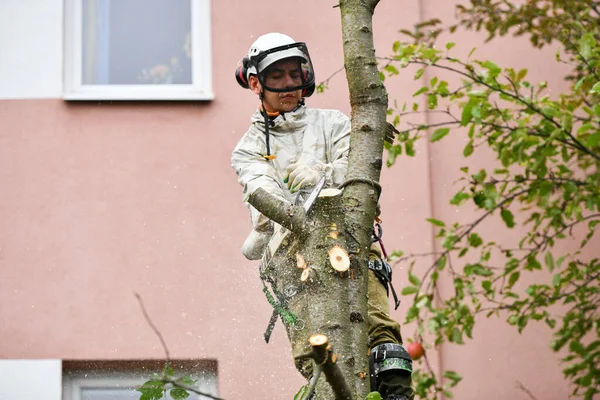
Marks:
<point>369,100</point>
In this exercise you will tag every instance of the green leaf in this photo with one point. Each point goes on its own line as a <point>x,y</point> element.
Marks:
<point>179,394</point>
<point>439,134</point>
<point>593,140</point>
<point>550,261</point>
<point>423,301</point>
<point>301,392</point>
<point>508,218</point>
<point>459,198</point>
<point>420,91</point>
<point>514,277</point>
<point>586,45</point>
<point>493,68</point>
<point>477,93</point>
<point>409,148</point>
<point>453,376</point>
<point>186,380</point>
<point>441,262</point>
<point>556,280</point>
<point>373,396</point>
<point>480,176</point>
<point>478,269</point>
<point>457,336</point>
<point>432,101</point>
<point>468,150</point>
<point>467,113</point>
<point>550,111</point>
<point>413,279</point>
<point>396,46</point>
<point>475,240</point>
<point>391,69</point>
<point>435,222</point>
<point>450,45</point>
<point>419,73</point>
<point>151,390</point>
<point>595,88</point>
<point>409,290</point>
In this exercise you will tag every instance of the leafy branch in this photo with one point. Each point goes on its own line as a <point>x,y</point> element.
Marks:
<point>548,155</point>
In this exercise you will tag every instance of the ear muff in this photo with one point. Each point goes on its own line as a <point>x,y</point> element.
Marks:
<point>308,76</point>
<point>241,73</point>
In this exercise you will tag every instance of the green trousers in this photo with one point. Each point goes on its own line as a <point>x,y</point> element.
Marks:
<point>382,328</point>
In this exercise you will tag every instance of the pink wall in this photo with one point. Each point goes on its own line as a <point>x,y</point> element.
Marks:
<point>101,200</point>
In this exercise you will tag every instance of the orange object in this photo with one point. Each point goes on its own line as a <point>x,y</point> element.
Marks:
<point>416,350</point>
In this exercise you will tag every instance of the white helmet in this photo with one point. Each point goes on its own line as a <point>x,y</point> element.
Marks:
<point>270,48</point>
<point>268,42</point>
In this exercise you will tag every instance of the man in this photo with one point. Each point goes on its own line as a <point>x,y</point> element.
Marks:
<point>286,150</point>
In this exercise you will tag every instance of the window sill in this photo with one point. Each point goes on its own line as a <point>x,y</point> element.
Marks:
<point>142,95</point>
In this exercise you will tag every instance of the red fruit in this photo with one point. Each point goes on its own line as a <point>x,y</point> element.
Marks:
<point>416,350</point>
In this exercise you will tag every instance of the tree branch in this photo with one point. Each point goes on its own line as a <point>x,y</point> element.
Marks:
<point>325,359</point>
<point>174,382</point>
<point>164,378</point>
<point>477,79</point>
<point>282,212</point>
<point>154,328</point>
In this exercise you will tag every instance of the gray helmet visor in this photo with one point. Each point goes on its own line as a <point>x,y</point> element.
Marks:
<point>285,68</point>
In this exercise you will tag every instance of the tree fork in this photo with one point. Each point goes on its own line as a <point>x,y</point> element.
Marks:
<point>324,357</point>
<point>312,264</point>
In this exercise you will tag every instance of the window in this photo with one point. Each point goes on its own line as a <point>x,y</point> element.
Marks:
<point>118,380</point>
<point>137,50</point>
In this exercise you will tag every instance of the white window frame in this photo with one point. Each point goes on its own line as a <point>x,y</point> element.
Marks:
<point>74,382</point>
<point>200,89</point>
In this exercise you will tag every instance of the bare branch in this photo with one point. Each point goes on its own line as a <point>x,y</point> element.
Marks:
<point>282,212</point>
<point>176,384</point>
<point>154,328</point>
<point>326,81</point>
<point>523,388</point>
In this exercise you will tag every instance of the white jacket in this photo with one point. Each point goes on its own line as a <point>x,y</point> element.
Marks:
<point>316,137</point>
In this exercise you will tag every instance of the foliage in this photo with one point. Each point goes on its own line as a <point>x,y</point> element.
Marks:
<point>161,384</point>
<point>544,186</point>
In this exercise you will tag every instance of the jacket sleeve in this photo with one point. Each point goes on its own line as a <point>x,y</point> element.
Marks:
<point>254,171</point>
<point>337,129</point>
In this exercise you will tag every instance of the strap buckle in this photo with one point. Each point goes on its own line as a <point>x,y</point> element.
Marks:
<point>379,356</point>
<point>375,265</point>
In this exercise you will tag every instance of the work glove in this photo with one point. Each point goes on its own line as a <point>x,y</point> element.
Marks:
<point>299,176</point>
<point>255,244</point>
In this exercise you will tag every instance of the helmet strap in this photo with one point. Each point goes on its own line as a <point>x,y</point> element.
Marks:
<point>266,116</point>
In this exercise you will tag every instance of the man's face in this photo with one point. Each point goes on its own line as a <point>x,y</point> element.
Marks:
<point>282,74</point>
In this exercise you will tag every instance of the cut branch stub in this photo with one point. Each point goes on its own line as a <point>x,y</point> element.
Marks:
<point>283,212</point>
<point>338,257</point>
<point>322,354</point>
<point>305,274</point>
<point>300,261</point>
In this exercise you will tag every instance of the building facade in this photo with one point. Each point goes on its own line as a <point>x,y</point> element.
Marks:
<point>117,190</point>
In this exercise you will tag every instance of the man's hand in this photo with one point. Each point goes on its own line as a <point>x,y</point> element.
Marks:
<point>300,176</point>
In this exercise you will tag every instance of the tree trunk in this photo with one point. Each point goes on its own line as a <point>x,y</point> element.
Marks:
<point>317,263</point>
<point>369,101</point>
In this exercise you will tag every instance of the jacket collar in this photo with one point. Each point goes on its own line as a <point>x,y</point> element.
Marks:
<point>284,123</point>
